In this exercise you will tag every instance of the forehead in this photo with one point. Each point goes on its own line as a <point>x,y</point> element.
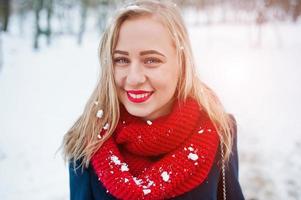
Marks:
<point>144,32</point>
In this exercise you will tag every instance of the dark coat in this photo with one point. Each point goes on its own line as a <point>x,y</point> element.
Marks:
<point>85,185</point>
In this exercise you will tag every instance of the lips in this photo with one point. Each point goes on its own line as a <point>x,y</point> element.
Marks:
<point>138,96</point>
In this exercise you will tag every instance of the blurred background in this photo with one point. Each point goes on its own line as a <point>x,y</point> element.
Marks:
<point>248,51</point>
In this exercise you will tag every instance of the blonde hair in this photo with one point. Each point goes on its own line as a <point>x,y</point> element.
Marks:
<point>81,141</point>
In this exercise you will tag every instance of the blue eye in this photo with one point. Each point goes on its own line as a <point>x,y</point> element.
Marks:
<point>121,60</point>
<point>152,61</point>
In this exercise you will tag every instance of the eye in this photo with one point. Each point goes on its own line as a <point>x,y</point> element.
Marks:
<point>152,61</point>
<point>121,61</point>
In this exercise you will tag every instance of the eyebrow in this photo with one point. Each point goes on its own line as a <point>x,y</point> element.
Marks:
<point>141,53</point>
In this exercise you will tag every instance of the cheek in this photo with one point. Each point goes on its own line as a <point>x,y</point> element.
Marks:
<point>164,80</point>
<point>118,77</point>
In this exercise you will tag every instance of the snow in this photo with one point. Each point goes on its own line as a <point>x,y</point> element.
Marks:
<point>193,156</point>
<point>146,191</point>
<point>106,127</point>
<point>131,7</point>
<point>149,122</point>
<point>190,149</point>
<point>201,131</point>
<point>115,160</point>
<point>137,181</point>
<point>124,167</point>
<point>165,176</point>
<point>259,85</point>
<point>99,113</point>
<point>150,183</point>
<point>41,97</point>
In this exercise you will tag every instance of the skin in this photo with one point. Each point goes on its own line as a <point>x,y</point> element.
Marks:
<point>145,59</point>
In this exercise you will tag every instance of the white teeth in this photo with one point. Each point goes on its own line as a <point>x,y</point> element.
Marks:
<point>138,96</point>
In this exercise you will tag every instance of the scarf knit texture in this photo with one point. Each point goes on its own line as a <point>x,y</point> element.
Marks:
<point>158,159</point>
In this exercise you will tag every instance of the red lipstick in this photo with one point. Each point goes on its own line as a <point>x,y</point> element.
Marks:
<point>138,96</point>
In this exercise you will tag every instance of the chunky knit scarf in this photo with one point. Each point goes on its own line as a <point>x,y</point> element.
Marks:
<point>157,159</point>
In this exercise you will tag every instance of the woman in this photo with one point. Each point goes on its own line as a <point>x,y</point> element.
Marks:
<point>151,129</point>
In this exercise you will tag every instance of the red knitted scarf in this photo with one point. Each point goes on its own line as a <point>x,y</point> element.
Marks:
<point>160,159</point>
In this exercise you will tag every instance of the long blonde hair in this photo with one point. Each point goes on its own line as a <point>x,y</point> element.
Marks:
<point>82,141</point>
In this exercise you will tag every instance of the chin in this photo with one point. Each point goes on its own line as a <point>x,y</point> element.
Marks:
<point>138,112</point>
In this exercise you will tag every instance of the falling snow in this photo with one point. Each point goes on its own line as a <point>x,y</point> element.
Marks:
<point>124,167</point>
<point>193,156</point>
<point>201,131</point>
<point>115,159</point>
<point>254,147</point>
<point>190,148</point>
<point>165,176</point>
<point>106,127</point>
<point>146,191</point>
<point>126,180</point>
<point>99,114</point>
<point>99,136</point>
<point>132,7</point>
<point>150,183</point>
<point>137,181</point>
<point>149,122</point>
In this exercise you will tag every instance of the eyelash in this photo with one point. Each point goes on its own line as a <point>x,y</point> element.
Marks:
<point>155,60</point>
<point>126,61</point>
<point>117,60</point>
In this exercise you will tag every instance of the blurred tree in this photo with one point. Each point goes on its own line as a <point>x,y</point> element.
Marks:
<point>1,52</point>
<point>4,14</point>
<point>101,8</point>
<point>260,20</point>
<point>83,18</point>
<point>21,8</point>
<point>103,13</point>
<point>296,10</point>
<point>38,5</point>
<point>71,16</point>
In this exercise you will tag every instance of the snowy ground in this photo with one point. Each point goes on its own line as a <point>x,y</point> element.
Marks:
<point>43,92</point>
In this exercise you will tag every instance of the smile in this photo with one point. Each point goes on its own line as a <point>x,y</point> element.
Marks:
<point>138,96</point>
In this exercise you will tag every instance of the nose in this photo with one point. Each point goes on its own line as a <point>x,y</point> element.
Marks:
<point>135,74</point>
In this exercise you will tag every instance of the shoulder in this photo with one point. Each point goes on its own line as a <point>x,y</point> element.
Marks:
<point>234,124</point>
<point>79,182</point>
<point>84,184</point>
<point>233,187</point>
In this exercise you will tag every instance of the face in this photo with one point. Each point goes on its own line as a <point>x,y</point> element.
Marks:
<point>145,68</point>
